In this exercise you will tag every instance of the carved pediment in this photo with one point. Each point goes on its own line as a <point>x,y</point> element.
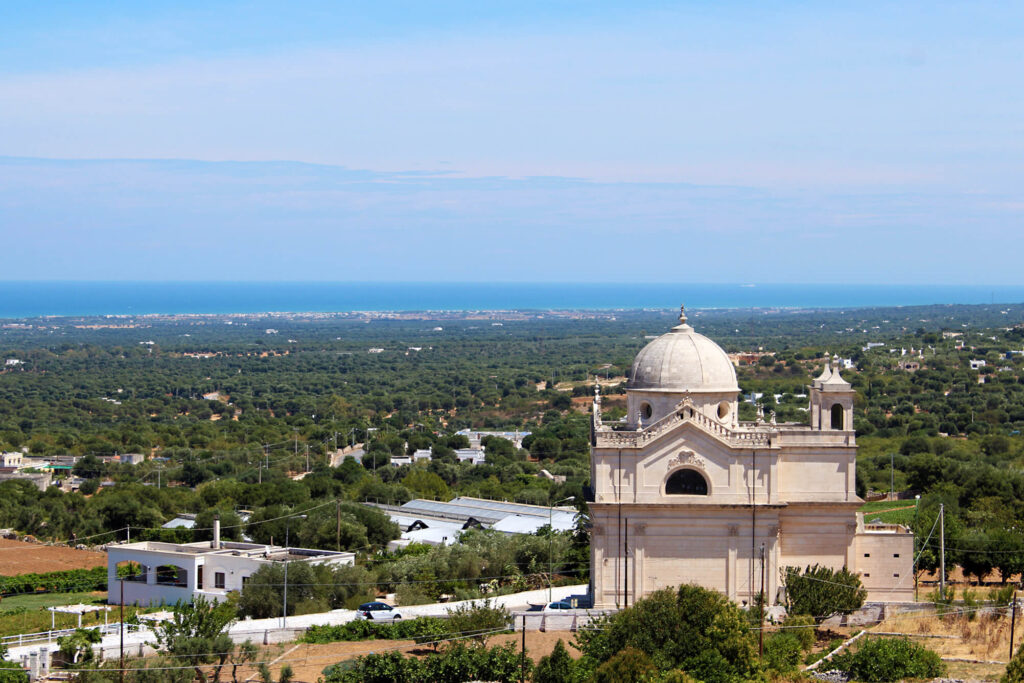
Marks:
<point>688,458</point>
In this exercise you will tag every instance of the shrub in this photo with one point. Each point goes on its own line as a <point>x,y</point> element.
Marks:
<point>478,620</point>
<point>457,664</point>
<point>421,629</point>
<point>822,592</point>
<point>782,652</point>
<point>1015,669</point>
<point>557,667</point>
<point>943,602</point>
<point>628,666</point>
<point>803,627</point>
<point>690,628</point>
<point>677,676</point>
<point>410,594</point>
<point>890,659</point>
<point>70,581</point>
<point>1002,596</point>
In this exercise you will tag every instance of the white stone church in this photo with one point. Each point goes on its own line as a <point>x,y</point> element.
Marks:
<point>686,493</point>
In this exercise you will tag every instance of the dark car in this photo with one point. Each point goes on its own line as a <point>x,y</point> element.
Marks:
<point>377,611</point>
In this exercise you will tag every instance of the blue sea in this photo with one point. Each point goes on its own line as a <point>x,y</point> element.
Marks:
<point>33,299</point>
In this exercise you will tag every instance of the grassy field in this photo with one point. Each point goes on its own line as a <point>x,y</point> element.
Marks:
<point>890,511</point>
<point>43,600</point>
<point>28,613</point>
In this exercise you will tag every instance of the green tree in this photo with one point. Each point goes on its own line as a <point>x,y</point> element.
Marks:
<point>822,592</point>
<point>889,659</point>
<point>480,618</point>
<point>629,665</point>
<point>426,484</point>
<point>76,647</point>
<point>197,634</point>
<point>691,628</point>
<point>556,667</point>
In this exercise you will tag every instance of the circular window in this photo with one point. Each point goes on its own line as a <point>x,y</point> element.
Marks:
<point>646,410</point>
<point>723,410</point>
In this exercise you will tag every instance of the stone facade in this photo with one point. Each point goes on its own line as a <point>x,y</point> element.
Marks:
<point>683,492</point>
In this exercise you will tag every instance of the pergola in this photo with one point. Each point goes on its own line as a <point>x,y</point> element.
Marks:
<point>76,609</point>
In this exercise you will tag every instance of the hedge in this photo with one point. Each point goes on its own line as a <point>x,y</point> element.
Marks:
<point>69,581</point>
<point>421,629</point>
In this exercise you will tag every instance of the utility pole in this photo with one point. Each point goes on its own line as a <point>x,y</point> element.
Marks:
<point>338,532</point>
<point>307,457</point>
<point>122,631</point>
<point>1013,622</point>
<point>892,477</point>
<point>760,631</point>
<point>284,607</point>
<point>522,656</point>
<point>942,549</point>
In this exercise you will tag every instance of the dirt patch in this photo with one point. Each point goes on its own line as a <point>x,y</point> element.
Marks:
<point>309,660</point>
<point>18,557</point>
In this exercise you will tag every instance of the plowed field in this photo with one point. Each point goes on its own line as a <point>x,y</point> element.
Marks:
<point>17,557</point>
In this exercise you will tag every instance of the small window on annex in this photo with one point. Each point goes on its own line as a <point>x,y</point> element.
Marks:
<point>646,411</point>
<point>686,483</point>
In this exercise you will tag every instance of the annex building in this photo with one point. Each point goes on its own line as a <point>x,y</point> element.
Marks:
<point>686,493</point>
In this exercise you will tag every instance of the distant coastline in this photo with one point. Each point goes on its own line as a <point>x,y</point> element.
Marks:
<point>21,300</point>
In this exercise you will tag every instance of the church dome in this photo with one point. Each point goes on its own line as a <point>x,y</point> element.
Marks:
<point>683,360</point>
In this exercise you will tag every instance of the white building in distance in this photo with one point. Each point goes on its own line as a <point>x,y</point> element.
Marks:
<point>686,493</point>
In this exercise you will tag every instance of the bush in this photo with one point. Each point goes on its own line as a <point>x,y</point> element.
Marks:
<point>410,594</point>
<point>822,592</point>
<point>782,652</point>
<point>421,629</point>
<point>70,581</point>
<point>457,664</point>
<point>691,628</point>
<point>557,667</point>
<point>890,659</point>
<point>803,627</point>
<point>628,666</point>
<point>478,620</point>
<point>1015,669</point>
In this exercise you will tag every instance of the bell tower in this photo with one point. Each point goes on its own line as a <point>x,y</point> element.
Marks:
<point>832,400</point>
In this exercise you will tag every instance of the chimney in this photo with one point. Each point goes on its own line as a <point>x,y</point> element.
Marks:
<point>215,544</point>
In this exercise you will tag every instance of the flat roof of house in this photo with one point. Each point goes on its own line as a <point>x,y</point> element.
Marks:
<point>254,550</point>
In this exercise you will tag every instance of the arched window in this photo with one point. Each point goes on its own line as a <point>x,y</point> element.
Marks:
<point>646,411</point>
<point>686,483</point>
<point>837,416</point>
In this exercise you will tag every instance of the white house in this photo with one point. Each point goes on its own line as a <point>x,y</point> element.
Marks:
<point>13,459</point>
<point>472,455</point>
<point>181,571</point>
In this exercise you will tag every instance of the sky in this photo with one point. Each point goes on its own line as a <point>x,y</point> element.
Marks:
<point>552,141</point>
